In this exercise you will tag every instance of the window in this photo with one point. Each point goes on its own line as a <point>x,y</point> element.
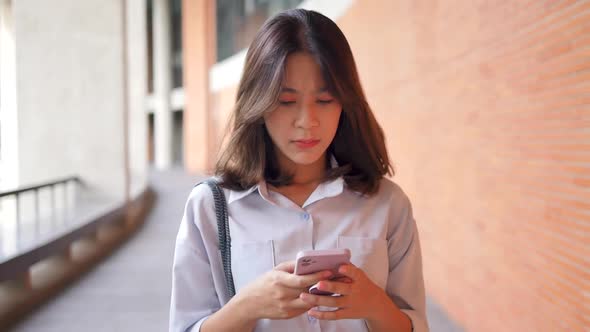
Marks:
<point>238,21</point>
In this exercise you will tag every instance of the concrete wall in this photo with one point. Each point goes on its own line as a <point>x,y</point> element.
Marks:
<point>8,112</point>
<point>70,93</point>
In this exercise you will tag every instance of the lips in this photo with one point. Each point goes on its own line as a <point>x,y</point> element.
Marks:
<point>306,143</point>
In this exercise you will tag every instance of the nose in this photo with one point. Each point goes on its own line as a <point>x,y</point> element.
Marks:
<point>307,117</point>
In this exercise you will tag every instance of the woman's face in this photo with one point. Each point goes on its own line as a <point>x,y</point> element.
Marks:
<point>305,122</point>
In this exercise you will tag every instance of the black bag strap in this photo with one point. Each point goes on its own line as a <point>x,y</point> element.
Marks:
<point>223,233</point>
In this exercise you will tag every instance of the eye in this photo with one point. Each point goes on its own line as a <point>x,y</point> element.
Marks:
<point>325,101</point>
<point>286,102</point>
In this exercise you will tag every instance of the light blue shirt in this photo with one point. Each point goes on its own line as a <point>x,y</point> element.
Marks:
<point>267,228</point>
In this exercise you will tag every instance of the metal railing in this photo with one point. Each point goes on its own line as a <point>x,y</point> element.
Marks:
<point>18,193</point>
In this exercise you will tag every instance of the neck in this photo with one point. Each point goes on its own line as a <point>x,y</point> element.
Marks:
<point>305,174</point>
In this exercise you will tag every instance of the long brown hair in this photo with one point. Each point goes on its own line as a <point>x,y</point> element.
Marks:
<point>359,143</point>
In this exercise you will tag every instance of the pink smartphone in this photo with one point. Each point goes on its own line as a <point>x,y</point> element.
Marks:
<point>311,261</point>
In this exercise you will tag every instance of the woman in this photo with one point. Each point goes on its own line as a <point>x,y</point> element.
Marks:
<point>303,169</point>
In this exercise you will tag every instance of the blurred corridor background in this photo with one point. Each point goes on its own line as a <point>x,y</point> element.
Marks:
<point>110,110</point>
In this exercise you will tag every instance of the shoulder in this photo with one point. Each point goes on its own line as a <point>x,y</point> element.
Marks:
<point>200,205</point>
<point>388,193</point>
<point>200,194</point>
<point>392,193</point>
<point>201,197</point>
<point>399,206</point>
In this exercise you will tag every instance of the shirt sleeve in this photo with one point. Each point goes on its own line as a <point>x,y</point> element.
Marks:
<point>194,284</point>
<point>405,283</point>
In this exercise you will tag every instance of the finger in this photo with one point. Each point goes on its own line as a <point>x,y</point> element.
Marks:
<point>350,271</point>
<point>342,279</point>
<point>299,304</point>
<point>329,315</point>
<point>322,300</point>
<point>335,287</point>
<point>295,281</point>
<point>287,293</point>
<point>286,267</point>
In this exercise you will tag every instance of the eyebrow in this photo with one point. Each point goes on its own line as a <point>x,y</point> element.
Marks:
<point>291,90</point>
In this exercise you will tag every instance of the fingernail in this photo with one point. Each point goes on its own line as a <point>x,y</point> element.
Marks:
<point>327,274</point>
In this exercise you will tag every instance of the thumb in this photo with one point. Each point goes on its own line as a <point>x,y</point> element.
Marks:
<point>286,267</point>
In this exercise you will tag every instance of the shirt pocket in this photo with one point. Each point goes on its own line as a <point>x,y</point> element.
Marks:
<point>370,255</point>
<point>250,260</point>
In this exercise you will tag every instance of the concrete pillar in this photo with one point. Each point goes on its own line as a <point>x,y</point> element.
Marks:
<point>162,84</point>
<point>137,63</point>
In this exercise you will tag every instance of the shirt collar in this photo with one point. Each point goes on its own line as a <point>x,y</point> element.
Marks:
<point>325,189</point>
<point>237,195</point>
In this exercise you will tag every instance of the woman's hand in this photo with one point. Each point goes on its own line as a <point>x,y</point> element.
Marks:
<point>359,296</point>
<point>275,294</point>
<point>360,299</point>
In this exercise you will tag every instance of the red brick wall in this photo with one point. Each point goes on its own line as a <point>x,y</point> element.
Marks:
<point>198,26</point>
<point>222,104</point>
<point>486,106</point>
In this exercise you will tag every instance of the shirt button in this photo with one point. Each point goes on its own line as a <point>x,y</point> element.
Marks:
<point>305,216</point>
<point>312,320</point>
